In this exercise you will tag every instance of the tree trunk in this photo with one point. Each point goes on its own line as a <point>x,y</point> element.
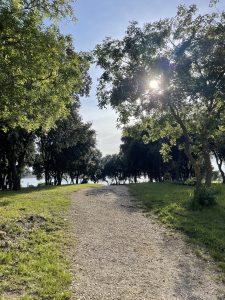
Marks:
<point>198,175</point>
<point>47,177</point>
<point>59,178</point>
<point>2,182</point>
<point>187,147</point>
<point>15,177</point>
<point>208,168</point>
<point>47,172</point>
<point>206,157</point>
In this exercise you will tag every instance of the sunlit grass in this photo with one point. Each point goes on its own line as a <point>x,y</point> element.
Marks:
<point>33,227</point>
<point>204,228</point>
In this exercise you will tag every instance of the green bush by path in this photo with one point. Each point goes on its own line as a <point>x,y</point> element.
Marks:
<point>33,226</point>
<point>171,203</point>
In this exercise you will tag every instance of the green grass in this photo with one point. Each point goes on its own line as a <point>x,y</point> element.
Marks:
<point>33,235</point>
<point>205,228</point>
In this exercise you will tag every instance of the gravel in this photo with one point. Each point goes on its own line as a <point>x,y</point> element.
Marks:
<point>121,254</point>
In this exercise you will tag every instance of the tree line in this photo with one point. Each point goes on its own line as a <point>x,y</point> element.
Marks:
<point>138,160</point>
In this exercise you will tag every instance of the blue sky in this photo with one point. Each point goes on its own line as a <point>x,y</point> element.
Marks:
<point>97,19</point>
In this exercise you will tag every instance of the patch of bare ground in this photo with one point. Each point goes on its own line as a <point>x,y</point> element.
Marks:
<point>121,254</point>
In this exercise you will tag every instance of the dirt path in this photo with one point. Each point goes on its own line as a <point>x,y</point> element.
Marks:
<point>121,254</point>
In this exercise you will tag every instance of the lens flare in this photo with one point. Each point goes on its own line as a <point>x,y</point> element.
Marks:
<point>154,84</point>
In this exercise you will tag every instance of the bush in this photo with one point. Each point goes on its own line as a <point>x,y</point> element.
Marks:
<point>203,196</point>
<point>190,181</point>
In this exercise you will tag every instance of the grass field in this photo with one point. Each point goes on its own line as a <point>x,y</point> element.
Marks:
<point>33,227</point>
<point>205,228</point>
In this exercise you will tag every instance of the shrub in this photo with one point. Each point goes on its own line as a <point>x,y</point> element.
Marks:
<point>190,181</point>
<point>203,196</point>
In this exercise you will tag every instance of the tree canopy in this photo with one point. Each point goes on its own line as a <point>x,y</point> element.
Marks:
<point>184,58</point>
<point>68,150</point>
<point>41,79</point>
<point>40,71</point>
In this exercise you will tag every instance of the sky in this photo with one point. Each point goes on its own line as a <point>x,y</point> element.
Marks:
<point>97,19</point>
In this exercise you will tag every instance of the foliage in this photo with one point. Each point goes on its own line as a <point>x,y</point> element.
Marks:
<point>67,150</point>
<point>94,166</point>
<point>32,263</point>
<point>40,71</point>
<point>54,10</point>
<point>204,196</point>
<point>137,159</point>
<point>186,55</point>
<point>204,229</point>
<point>190,182</point>
<point>112,167</point>
<point>41,75</point>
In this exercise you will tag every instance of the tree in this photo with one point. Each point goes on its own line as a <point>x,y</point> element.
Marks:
<point>41,75</point>
<point>67,149</point>
<point>94,166</point>
<point>137,159</point>
<point>134,153</point>
<point>16,151</point>
<point>147,157</point>
<point>184,58</point>
<point>40,71</point>
<point>112,168</point>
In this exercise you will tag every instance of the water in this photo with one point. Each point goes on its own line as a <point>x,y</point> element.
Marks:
<point>27,181</point>
<point>33,181</point>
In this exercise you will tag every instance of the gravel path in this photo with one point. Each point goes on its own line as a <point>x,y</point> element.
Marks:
<point>121,254</point>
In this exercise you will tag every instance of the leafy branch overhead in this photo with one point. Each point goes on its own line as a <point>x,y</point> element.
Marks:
<point>40,71</point>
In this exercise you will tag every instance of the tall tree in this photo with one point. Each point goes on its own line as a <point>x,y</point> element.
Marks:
<point>41,74</point>
<point>65,150</point>
<point>40,71</point>
<point>113,168</point>
<point>148,159</point>
<point>170,73</point>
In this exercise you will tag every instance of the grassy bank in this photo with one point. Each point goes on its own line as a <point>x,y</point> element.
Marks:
<point>33,226</point>
<point>205,228</point>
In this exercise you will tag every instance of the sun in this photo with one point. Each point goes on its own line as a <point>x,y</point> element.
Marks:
<point>154,84</point>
